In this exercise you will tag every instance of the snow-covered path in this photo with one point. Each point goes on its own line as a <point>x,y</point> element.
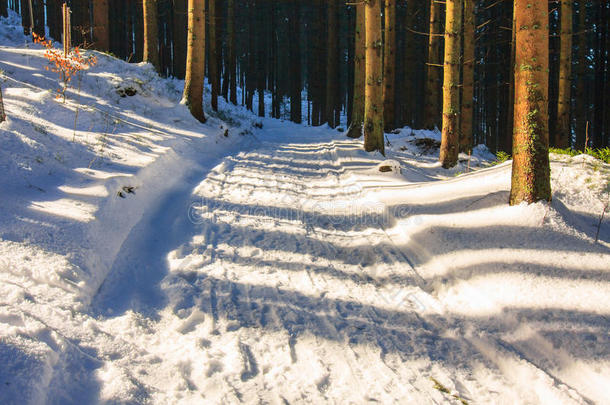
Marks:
<point>272,278</point>
<point>280,282</point>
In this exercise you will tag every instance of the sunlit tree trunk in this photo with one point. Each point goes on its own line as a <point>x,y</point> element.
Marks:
<point>389,66</point>
<point>467,78</point>
<point>563,132</point>
<point>451,84</point>
<point>531,170</point>
<point>355,129</point>
<point>151,40</point>
<point>433,77</point>
<point>195,59</point>
<point>373,108</point>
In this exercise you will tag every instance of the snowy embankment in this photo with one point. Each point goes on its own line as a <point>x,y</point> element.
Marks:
<point>146,258</point>
<point>76,178</point>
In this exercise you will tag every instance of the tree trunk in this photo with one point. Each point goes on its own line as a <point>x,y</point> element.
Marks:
<point>274,66</point>
<point>179,37</point>
<point>606,107</point>
<point>101,40</point>
<point>195,59</point>
<point>467,78</point>
<point>295,61</point>
<point>3,8</point>
<point>39,20</point>
<point>373,109</point>
<point>54,19</point>
<point>511,86</point>
<point>600,68</point>
<point>2,113</point>
<point>232,52</point>
<point>261,11</point>
<point>563,133</point>
<point>451,82</point>
<point>318,60</point>
<point>581,88</point>
<point>531,169</point>
<point>229,52</point>
<point>151,38</point>
<point>389,66</point>
<point>409,63</point>
<point>213,62</point>
<point>139,32</point>
<point>26,23</point>
<point>129,18</point>
<point>250,72</point>
<point>355,130</point>
<point>331,62</point>
<point>81,23</point>
<point>433,77</point>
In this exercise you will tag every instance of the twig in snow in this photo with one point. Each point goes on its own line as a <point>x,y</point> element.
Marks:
<point>601,219</point>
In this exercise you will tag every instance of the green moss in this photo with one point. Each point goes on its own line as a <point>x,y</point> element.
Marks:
<point>601,154</point>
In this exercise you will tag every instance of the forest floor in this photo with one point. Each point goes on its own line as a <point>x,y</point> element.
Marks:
<point>147,258</point>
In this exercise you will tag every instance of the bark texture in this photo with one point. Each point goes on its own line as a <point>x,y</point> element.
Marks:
<point>389,66</point>
<point>213,71</point>
<point>101,38</point>
<point>433,76</point>
<point>373,109</point>
<point>451,84</point>
<point>355,129</point>
<point>151,32</point>
<point>179,39</point>
<point>581,87</point>
<point>466,117</point>
<point>531,171</point>
<point>563,132</point>
<point>295,63</point>
<point>331,63</point>
<point>195,59</point>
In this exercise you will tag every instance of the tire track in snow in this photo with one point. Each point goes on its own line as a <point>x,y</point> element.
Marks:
<point>295,308</point>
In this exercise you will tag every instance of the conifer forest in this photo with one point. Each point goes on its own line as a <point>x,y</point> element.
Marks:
<point>308,56</point>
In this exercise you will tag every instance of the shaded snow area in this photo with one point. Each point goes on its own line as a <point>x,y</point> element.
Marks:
<point>147,258</point>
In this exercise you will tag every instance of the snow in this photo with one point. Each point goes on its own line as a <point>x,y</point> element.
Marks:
<point>147,258</point>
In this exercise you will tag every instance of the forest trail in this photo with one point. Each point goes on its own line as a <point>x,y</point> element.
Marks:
<point>272,278</point>
<point>146,258</point>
